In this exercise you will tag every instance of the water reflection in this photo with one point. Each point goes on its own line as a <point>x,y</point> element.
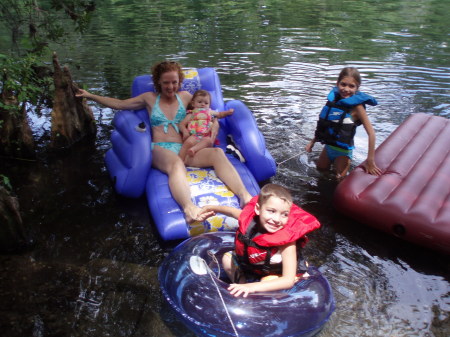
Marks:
<point>92,271</point>
<point>399,303</point>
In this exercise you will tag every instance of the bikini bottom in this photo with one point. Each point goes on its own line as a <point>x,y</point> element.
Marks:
<point>333,152</point>
<point>174,147</point>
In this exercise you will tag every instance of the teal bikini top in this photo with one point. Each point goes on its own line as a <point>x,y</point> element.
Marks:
<point>158,118</point>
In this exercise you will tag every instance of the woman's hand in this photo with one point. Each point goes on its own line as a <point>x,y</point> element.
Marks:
<point>214,130</point>
<point>183,125</point>
<point>185,134</point>
<point>82,93</point>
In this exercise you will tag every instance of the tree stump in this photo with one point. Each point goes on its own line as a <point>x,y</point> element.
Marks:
<point>16,138</point>
<point>72,118</point>
<point>13,234</point>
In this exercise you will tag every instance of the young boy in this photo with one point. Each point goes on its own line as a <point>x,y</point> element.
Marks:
<point>270,227</point>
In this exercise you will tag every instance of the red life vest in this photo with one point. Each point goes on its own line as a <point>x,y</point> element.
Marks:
<point>254,252</point>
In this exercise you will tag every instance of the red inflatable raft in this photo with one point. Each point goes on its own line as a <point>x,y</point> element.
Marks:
<point>411,199</point>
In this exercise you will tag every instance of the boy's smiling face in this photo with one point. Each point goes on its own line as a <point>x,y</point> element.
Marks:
<point>273,214</point>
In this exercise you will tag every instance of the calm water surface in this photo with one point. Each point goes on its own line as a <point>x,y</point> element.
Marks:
<point>92,270</point>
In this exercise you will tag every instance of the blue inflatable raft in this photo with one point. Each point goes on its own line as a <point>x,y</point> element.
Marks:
<point>129,160</point>
<point>193,284</point>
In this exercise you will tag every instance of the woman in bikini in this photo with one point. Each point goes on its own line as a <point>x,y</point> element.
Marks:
<point>167,108</point>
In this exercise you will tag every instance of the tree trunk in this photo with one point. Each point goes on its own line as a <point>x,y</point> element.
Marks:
<point>72,119</point>
<point>16,138</point>
<point>13,234</point>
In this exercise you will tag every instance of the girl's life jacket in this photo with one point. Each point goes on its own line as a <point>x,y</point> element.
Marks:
<point>254,249</point>
<point>335,126</point>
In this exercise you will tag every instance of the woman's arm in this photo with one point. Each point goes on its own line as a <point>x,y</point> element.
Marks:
<point>183,126</point>
<point>135,103</point>
<point>370,165</point>
<point>286,281</point>
<point>214,130</point>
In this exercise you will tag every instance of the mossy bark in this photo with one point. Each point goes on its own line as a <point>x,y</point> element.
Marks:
<point>72,119</point>
<point>16,138</point>
<point>13,234</point>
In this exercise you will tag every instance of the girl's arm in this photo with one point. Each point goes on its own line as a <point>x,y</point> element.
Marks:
<point>226,210</point>
<point>286,281</point>
<point>310,145</point>
<point>370,165</point>
<point>135,103</point>
<point>222,114</point>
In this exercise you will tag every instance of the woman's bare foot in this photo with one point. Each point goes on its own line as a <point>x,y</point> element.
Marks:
<point>244,199</point>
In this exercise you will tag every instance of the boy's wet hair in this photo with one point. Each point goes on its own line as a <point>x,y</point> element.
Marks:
<point>350,72</point>
<point>163,67</point>
<point>274,190</point>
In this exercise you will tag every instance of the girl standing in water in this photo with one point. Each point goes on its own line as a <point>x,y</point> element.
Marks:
<point>344,111</point>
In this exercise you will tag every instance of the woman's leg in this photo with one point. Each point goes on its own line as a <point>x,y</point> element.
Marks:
<point>171,164</point>
<point>216,158</point>
<point>202,144</point>
<point>187,145</point>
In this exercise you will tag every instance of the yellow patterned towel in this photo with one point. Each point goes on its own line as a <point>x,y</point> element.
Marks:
<point>207,189</point>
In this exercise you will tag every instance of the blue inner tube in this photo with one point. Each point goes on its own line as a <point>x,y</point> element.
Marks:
<point>194,285</point>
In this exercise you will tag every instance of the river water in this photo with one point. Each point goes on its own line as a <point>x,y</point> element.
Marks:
<point>92,268</point>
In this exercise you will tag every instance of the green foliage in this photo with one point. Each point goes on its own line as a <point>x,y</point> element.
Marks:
<point>4,181</point>
<point>34,24</point>
<point>20,78</point>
